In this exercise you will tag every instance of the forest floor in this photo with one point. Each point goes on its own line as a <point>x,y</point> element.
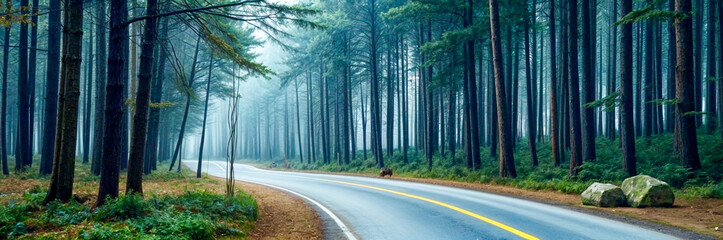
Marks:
<point>702,215</point>
<point>281,216</point>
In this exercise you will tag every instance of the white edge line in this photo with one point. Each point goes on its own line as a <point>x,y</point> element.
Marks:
<point>342,226</point>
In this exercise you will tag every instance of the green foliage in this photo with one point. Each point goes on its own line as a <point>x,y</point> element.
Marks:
<point>12,216</point>
<point>651,12</point>
<point>608,103</point>
<point>217,206</point>
<point>664,101</point>
<point>122,208</point>
<point>655,157</point>
<point>694,113</point>
<point>193,215</point>
<point>59,214</point>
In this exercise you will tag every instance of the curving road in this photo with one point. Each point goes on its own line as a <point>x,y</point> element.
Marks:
<point>374,208</point>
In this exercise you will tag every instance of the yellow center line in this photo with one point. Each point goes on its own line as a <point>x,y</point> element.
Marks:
<point>458,209</point>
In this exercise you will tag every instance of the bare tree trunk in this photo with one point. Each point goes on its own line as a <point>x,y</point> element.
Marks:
<point>88,96</point>
<point>588,82</point>
<point>134,183</point>
<point>531,118</point>
<point>627,127</point>
<point>720,64</point>
<point>100,87</point>
<point>554,131</point>
<point>115,91</point>
<point>575,134</point>
<point>185,111</point>
<point>152,141</point>
<point>298,121</point>
<point>4,112</point>
<point>205,115</point>
<point>687,139</point>
<point>61,182</point>
<point>507,161</point>
<point>710,84</point>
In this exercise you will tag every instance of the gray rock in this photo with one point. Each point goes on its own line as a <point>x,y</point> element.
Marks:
<point>603,195</point>
<point>646,191</point>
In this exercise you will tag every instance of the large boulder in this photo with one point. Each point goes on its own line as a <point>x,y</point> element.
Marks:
<point>603,195</point>
<point>646,191</point>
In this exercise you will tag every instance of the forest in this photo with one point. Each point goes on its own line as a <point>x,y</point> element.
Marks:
<point>485,91</point>
<point>533,94</point>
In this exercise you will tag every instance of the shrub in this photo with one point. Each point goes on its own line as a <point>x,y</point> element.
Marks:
<point>62,214</point>
<point>123,207</point>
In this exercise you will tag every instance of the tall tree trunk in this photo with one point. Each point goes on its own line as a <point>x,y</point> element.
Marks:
<point>588,82</point>
<point>88,96</point>
<point>531,118</point>
<point>710,95</point>
<point>697,58</point>
<point>472,103</point>
<point>375,98</point>
<point>627,127</point>
<point>390,102</point>
<point>648,85</point>
<point>205,115</point>
<point>575,134</point>
<point>152,141</point>
<point>298,121</point>
<point>192,77</point>
<point>507,161</point>
<point>21,154</point>
<point>3,110</point>
<point>323,107</point>
<point>687,139</point>
<point>346,110</point>
<point>309,93</point>
<point>100,87</point>
<point>554,141</point>
<point>610,116</point>
<point>134,183</point>
<point>720,64</point>
<point>110,166</point>
<point>61,181</point>
<point>32,64</point>
<point>670,109</point>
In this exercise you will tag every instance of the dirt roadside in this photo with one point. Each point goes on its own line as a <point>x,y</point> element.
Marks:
<point>697,215</point>
<point>282,216</point>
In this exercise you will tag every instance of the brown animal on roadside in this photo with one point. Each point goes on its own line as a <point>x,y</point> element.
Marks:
<point>385,171</point>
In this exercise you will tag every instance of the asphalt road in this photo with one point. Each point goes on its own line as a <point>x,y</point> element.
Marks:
<point>374,208</point>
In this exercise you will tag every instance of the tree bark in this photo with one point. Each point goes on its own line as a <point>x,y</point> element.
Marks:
<point>554,131</point>
<point>4,114</point>
<point>88,96</point>
<point>684,84</point>
<point>61,181</point>
<point>152,141</point>
<point>507,161</point>
<point>710,94</point>
<point>100,87</point>
<point>531,118</point>
<point>472,100</point>
<point>134,183</point>
<point>575,134</point>
<point>22,158</point>
<point>627,128</point>
<point>110,165</point>
<point>205,115</point>
<point>192,77</point>
<point>588,82</point>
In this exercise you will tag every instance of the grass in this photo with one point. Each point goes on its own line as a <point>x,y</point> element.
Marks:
<point>655,157</point>
<point>173,208</point>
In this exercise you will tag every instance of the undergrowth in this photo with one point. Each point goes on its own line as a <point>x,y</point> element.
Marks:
<point>193,215</point>
<point>655,157</point>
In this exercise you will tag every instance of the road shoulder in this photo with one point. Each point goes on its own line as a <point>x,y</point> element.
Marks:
<point>688,219</point>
